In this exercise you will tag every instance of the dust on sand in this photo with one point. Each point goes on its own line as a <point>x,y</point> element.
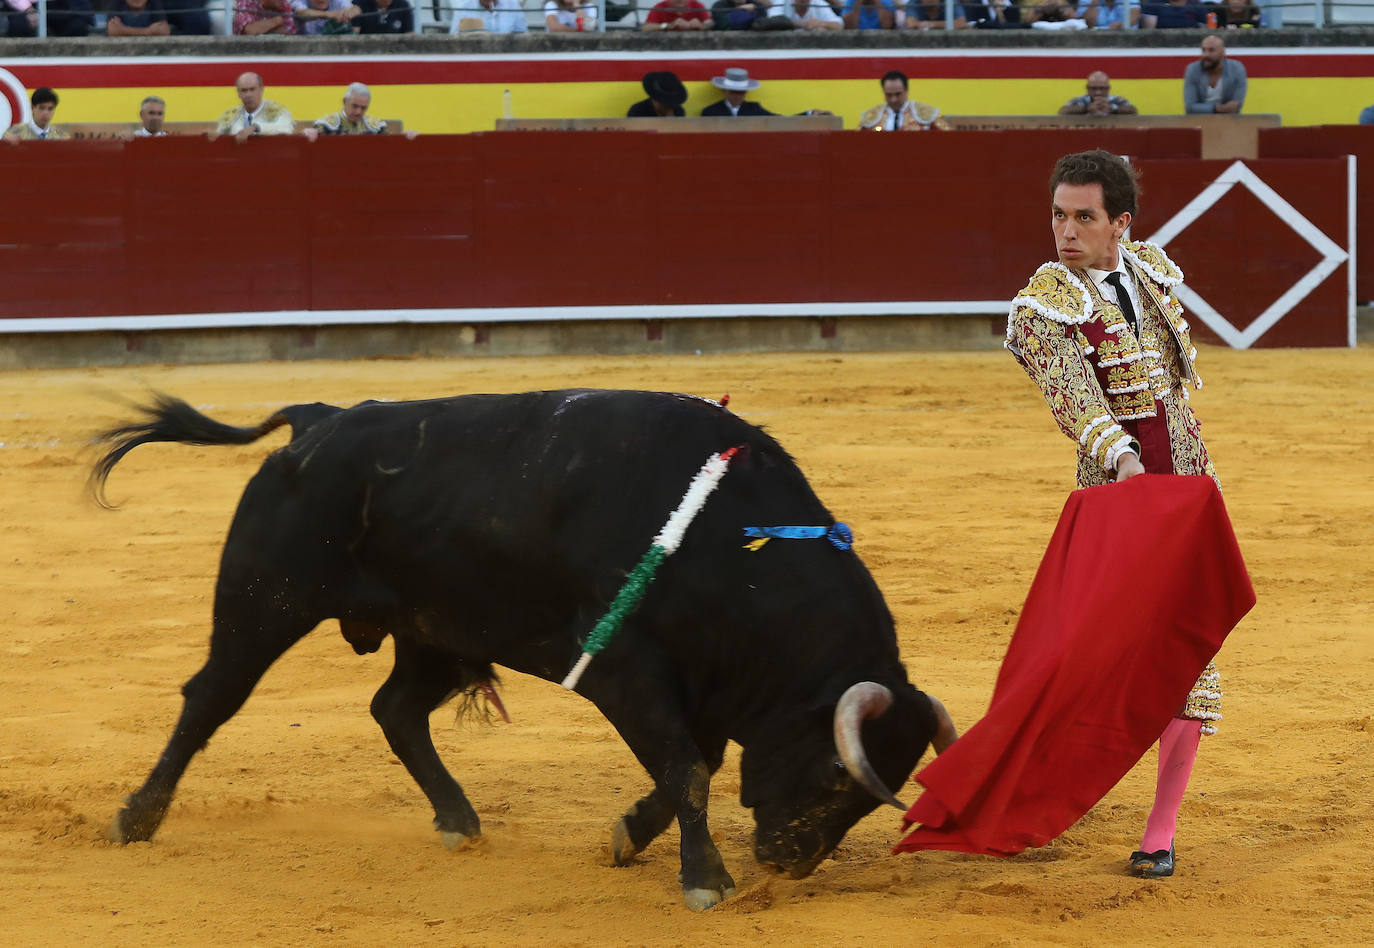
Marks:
<point>296,825</point>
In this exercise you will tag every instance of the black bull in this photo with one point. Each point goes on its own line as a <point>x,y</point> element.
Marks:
<point>490,530</point>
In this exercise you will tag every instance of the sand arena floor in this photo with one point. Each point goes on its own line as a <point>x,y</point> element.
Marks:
<point>297,826</point>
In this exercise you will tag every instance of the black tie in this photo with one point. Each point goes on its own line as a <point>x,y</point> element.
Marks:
<point>1123,299</point>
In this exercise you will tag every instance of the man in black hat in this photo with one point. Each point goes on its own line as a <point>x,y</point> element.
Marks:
<point>736,84</point>
<point>666,95</point>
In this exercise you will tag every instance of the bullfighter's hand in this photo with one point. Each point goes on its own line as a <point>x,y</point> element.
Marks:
<point>1128,466</point>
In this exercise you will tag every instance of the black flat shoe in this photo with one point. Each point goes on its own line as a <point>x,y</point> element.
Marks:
<point>1155,865</point>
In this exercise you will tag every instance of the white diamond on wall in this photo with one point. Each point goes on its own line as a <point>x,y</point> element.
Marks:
<point>1332,256</point>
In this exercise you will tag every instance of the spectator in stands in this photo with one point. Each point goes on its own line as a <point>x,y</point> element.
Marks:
<point>65,18</point>
<point>736,85</point>
<point>1051,15</point>
<point>1174,15</point>
<point>254,115</point>
<point>136,18</point>
<point>994,15</point>
<point>931,16</point>
<point>152,112</point>
<point>741,14</point>
<point>187,17</point>
<point>38,127</point>
<point>871,15</point>
<point>324,17</point>
<point>21,18</point>
<point>1238,14</point>
<point>810,14</point>
<point>1098,100</point>
<point>1214,83</point>
<point>569,16</point>
<point>1367,115</point>
<point>666,95</point>
<point>256,17</point>
<point>1108,15</point>
<point>678,15</point>
<point>899,113</point>
<point>494,16</point>
<point>384,16</point>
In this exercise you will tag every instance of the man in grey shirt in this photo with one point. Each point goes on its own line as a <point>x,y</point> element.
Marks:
<point>1214,83</point>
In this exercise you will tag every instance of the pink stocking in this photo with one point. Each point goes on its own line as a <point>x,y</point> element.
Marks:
<point>1177,751</point>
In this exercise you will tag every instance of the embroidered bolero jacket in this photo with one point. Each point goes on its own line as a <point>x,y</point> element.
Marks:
<point>1079,350</point>
<point>914,117</point>
<point>339,124</point>
<point>273,119</point>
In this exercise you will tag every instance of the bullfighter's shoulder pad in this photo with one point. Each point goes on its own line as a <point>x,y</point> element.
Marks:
<point>925,114</point>
<point>871,116</point>
<point>1055,293</point>
<point>1154,261</point>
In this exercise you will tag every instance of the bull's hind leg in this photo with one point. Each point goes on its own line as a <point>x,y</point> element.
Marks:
<point>646,819</point>
<point>240,652</point>
<point>423,679</point>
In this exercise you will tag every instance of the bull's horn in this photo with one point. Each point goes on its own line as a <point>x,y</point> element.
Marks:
<point>945,732</point>
<point>859,703</point>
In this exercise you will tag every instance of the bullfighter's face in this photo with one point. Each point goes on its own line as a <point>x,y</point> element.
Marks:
<point>42,113</point>
<point>895,94</point>
<point>355,107</point>
<point>152,115</point>
<point>1084,235</point>
<point>249,88</point>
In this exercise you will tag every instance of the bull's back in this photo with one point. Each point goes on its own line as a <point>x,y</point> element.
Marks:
<point>526,512</point>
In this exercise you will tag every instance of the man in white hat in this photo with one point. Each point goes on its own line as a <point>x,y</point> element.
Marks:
<point>736,84</point>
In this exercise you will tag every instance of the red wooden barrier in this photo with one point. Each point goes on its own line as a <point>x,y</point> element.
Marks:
<point>524,219</point>
<point>557,219</point>
<point>1332,141</point>
<point>1268,255</point>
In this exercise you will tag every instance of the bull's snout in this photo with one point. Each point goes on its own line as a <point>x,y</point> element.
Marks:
<point>797,855</point>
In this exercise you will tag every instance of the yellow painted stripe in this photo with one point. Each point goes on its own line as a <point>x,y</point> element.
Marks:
<point>457,108</point>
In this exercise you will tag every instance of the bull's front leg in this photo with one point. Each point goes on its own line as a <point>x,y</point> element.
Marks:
<point>633,697</point>
<point>704,879</point>
<point>651,815</point>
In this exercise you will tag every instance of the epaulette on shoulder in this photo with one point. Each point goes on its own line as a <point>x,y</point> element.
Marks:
<point>926,114</point>
<point>1056,294</point>
<point>330,123</point>
<point>229,115</point>
<point>1154,261</point>
<point>273,110</point>
<point>870,116</point>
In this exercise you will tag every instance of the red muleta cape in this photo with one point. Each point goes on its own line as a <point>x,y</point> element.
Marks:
<point>1140,585</point>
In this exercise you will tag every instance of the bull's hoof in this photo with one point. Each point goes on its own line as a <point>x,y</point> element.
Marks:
<point>130,827</point>
<point>623,848</point>
<point>699,900</point>
<point>457,842</point>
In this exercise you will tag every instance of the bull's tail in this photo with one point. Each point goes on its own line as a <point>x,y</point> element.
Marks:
<point>170,419</point>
